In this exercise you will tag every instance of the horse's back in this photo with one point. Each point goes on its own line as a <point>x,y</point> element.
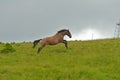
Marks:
<point>50,40</point>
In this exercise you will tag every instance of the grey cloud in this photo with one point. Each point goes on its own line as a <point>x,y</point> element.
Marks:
<point>29,19</point>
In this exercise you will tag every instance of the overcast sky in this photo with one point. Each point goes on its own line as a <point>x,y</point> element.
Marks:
<point>27,20</point>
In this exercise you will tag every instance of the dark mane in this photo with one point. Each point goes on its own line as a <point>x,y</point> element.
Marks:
<point>62,30</point>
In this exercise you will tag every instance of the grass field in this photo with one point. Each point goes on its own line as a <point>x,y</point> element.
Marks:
<point>84,60</point>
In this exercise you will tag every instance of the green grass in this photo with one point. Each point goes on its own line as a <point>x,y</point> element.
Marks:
<point>84,60</point>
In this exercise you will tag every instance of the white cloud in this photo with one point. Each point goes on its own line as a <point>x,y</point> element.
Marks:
<point>87,34</point>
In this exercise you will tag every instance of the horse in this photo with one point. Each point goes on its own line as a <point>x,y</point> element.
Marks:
<point>53,40</point>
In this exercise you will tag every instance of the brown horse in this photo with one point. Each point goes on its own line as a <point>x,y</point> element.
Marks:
<point>53,40</point>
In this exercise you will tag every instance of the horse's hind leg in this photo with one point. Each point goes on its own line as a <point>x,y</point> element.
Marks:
<point>40,48</point>
<point>65,42</point>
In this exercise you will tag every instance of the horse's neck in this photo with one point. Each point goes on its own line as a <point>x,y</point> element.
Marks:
<point>59,35</point>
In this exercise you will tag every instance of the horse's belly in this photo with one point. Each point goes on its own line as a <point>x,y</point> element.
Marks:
<point>52,43</point>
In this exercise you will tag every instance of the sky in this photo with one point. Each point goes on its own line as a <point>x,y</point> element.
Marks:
<point>28,20</point>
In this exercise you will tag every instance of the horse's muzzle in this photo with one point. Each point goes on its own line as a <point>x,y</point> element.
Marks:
<point>70,36</point>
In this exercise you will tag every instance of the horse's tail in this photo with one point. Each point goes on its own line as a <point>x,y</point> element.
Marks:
<point>36,42</point>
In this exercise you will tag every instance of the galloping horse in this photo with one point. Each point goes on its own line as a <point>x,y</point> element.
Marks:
<point>53,40</point>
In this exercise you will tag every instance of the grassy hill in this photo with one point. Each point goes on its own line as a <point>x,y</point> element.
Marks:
<point>84,60</point>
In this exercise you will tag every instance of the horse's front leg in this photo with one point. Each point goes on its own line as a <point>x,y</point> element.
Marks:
<point>65,42</point>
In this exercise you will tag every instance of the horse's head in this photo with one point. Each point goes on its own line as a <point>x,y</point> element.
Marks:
<point>65,32</point>
<point>68,33</point>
